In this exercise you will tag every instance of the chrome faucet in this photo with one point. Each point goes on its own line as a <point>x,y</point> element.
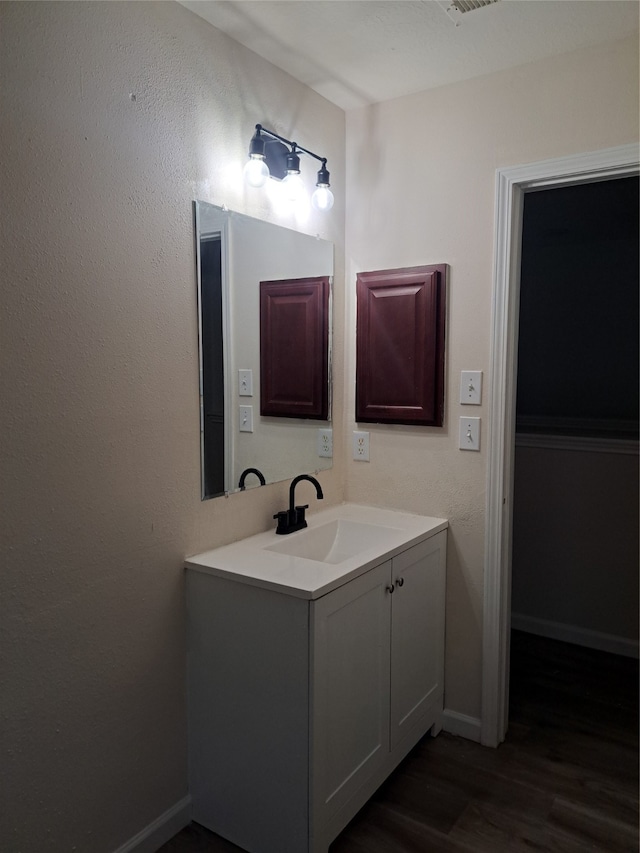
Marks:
<point>244,475</point>
<point>292,519</point>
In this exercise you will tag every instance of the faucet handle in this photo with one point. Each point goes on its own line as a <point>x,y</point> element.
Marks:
<point>282,519</point>
<point>300,514</point>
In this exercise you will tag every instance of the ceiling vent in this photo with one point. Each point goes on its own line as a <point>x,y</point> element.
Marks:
<point>463,6</point>
<point>455,9</point>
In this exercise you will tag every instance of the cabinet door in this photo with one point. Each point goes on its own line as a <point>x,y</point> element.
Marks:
<point>400,345</point>
<point>350,689</point>
<point>417,634</point>
<point>294,348</point>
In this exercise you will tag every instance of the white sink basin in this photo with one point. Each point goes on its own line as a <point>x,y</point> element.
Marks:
<point>334,542</point>
<point>339,544</point>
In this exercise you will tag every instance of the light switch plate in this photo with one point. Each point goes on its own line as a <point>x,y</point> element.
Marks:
<point>471,387</point>
<point>246,418</point>
<point>469,434</point>
<point>245,383</point>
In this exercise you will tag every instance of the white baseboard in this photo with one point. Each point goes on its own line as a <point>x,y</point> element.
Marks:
<point>461,725</point>
<point>157,833</point>
<point>574,634</point>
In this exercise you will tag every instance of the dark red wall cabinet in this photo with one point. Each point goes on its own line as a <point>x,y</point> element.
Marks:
<point>294,348</point>
<point>400,346</point>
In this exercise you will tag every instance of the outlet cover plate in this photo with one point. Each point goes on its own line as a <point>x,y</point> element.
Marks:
<point>325,443</point>
<point>361,446</point>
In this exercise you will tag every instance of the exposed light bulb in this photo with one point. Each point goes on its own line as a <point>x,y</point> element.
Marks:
<point>293,186</point>
<point>256,171</point>
<point>322,198</point>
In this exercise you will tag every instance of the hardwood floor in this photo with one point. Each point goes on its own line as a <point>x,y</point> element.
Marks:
<point>565,779</point>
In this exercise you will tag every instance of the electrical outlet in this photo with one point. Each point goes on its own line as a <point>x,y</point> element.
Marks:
<point>325,442</point>
<point>361,446</point>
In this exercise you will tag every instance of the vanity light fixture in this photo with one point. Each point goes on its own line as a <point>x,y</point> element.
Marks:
<point>292,183</point>
<point>269,156</point>
<point>256,170</point>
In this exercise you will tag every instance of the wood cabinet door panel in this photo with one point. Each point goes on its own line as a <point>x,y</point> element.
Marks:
<point>294,348</point>
<point>400,346</point>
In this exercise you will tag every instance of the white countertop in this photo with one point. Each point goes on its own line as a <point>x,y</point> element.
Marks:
<point>247,561</point>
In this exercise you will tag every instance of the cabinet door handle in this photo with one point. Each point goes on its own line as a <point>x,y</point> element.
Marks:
<point>390,589</point>
<point>400,581</point>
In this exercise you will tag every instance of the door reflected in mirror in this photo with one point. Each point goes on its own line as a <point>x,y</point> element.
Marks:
<point>234,253</point>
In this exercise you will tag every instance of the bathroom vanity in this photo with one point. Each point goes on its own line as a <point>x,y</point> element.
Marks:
<point>315,663</point>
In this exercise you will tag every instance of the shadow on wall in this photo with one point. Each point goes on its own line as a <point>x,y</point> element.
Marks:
<point>466,626</point>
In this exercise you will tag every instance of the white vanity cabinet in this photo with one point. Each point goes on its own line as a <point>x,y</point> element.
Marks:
<point>299,707</point>
<point>376,678</point>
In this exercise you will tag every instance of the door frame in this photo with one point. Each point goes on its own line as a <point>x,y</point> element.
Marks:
<point>511,186</point>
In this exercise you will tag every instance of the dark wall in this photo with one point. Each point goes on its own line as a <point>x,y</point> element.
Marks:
<point>578,349</point>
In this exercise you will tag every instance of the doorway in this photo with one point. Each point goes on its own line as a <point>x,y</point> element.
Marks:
<point>212,343</point>
<point>511,186</point>
<point>575,503</point>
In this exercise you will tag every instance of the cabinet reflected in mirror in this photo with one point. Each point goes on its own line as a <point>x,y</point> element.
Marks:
<point>234,253</point>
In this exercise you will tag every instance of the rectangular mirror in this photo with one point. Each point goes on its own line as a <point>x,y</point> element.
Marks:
<point>234,254</point>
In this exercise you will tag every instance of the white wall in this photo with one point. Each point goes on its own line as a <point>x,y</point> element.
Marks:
<point>421,189</point>
<point>99,389</point>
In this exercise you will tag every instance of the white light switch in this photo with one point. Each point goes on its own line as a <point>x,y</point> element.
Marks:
<point>471,387</point>
<point>245,383</point>
<point>469,434</point>
<point>246,418</point>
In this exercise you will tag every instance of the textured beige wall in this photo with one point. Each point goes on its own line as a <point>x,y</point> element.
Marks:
<point>99,392</point>
<point>421,189</point>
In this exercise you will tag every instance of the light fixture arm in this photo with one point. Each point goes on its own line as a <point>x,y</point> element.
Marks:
<point>293,145</point>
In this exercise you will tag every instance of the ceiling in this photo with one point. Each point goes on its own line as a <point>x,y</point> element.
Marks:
<point>356,52</point>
